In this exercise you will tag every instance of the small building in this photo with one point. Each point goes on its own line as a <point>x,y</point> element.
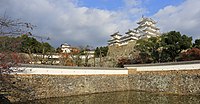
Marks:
<point>88,54</point>
<point>66,48</point>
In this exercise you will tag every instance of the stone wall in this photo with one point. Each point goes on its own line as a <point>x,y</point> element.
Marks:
<point>174,82</point>
<point>29,87</point>
<point>115,52</point>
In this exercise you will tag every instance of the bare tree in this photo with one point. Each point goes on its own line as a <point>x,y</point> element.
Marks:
<point>10,58</point>
<point>13,27</point>
<point>86,52</point>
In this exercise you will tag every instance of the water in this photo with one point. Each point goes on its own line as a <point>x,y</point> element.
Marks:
<point>126,97</point>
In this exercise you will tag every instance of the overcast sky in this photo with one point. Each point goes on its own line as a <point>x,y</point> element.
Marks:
<point>91,22</point>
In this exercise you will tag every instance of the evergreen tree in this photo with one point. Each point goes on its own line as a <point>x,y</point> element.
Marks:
<point>101,51</point>
<point>164,48</point>
<point>173,43</point>
<point>197,43</point>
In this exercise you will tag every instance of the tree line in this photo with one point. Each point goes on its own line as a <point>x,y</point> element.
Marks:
<point>24,44</point>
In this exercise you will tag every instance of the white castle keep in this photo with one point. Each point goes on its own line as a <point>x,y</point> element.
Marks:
<point>146,29</point>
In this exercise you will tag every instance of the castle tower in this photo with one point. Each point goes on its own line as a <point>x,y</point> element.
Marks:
<point>147,28</point>
<point>131,35</point>
<point>115,39</point>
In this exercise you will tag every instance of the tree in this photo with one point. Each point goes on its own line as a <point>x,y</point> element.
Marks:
<point>173,43</point>
<point>72,58</point>
<point>46,48</point>
<point>101,51</point>
<point>149,49</point>
<point>13,27</point>
<point>144,52</point>
<point>164,48</point>
<point>75,55</point>
<point>9,57</point>
<point>122,61</point>
<point>197,43</point>
<point>58,50</point>
<point>30,45</point>
<point>97,52</point>
<point>9,44</point>
<point>27,44</point>
<point>85,50</point>
<point>9,29</point>
<point>191,54</point>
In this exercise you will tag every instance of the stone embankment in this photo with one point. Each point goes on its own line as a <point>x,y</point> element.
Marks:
<point>29,86</point>
<point>170,82</point>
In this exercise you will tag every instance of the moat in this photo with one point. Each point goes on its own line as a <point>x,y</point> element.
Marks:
<point>126,97</point>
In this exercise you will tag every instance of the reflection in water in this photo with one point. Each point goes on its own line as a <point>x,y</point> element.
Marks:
<point>127,97</point>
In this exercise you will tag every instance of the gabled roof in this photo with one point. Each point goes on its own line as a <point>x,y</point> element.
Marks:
<point>65,44</point>
<point>117,33</point>
<point>146,19</point>
<point>146,25</point>
<point>130,31</point>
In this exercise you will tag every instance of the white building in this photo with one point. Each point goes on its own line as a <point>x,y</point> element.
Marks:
<point>146,29</point>
<point>66,48</point>
<point>116,39</point>
<point>88,54</point>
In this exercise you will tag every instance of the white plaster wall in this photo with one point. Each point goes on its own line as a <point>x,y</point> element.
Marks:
<point>60,71</point>
<point>167,67</point>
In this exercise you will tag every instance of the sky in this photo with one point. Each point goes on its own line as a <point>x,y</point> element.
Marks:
<point>91,22</point>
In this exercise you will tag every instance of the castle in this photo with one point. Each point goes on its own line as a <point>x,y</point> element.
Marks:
<point>123,46</point>
<point>146,29</point>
